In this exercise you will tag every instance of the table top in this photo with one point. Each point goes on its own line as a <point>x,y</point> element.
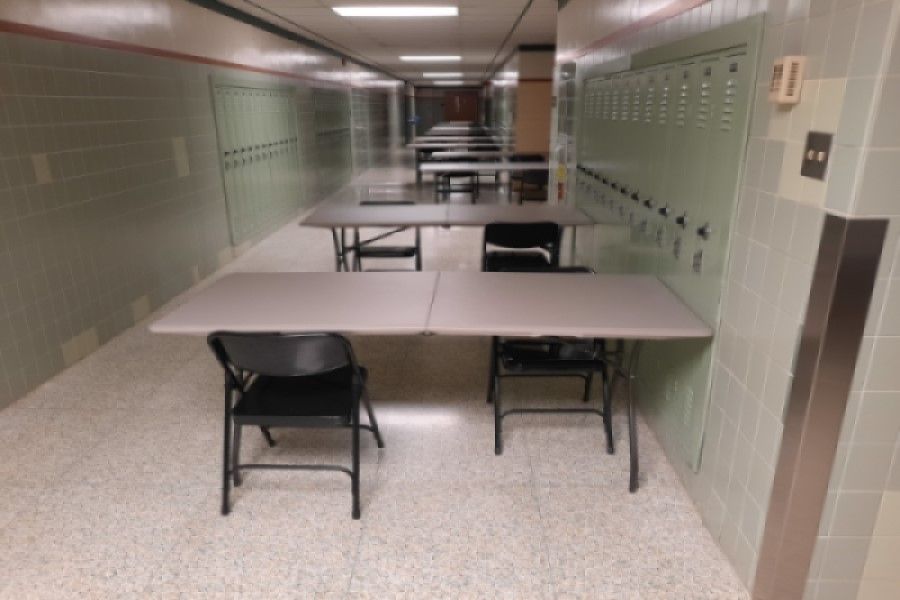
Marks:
<point>454,138</point>
<point>360,303</point>
<point>433,215</point>
<point>464,154</point>
<point>500,165</point>
<point>441,129</point>
<point>447,303</point>
<point>560,304</point>
<point>354,215</point>
<point>445,145</point>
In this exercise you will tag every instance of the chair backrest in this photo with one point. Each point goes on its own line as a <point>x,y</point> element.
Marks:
<point>281,355</point>
<point>540,234</point>
<point>520,236</point>
<point>536,177</point>
<point>386,202</point>
<point>523,157</point>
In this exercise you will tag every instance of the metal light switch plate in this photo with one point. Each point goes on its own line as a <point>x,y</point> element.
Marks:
<point>816,155</point>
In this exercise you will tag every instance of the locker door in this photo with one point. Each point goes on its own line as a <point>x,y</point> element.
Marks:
<point>727,138</point>
<point>676,185</point>
<point>665,145</point>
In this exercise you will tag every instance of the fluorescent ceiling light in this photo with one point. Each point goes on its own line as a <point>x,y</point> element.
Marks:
<point>442,75</point>
<point>447,82</point>
<point>424,58</point>
<point>396,11</point>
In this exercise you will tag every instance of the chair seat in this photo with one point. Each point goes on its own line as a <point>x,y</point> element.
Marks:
<point>387,251</point>
<point>320,396</point>
<point>515,261</point>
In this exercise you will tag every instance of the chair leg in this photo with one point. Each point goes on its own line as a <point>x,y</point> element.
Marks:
<point>498,421</point>
<point>374,424</point>
<point>268,435</point>
<point>236,457</point>
<point>418,249</point>
<point>354,476</point>
<point>588,382</point>
<point>226,454</point>
<point>607,411</point>
<point>492,370</point>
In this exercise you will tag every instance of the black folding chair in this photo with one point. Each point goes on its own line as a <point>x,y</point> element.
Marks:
<point>533,186</point>
<point>553,357</point>
<point>290,380</point>
<point>366,248</point>
<point>522,246</point>
<point>517,178</point>
<point>444,186</point>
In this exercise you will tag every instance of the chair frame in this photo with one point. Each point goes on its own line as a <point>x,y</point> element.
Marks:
<point>359,244</point>
<point>553,251</point>
<point>237,382</point>
<point>602,361</point>
<point>443,185</point>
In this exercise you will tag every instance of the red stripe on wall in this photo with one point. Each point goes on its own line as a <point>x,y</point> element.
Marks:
<point>673,9</point>
<point>75,38</point>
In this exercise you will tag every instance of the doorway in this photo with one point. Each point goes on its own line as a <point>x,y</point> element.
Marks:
<point>461,106</point>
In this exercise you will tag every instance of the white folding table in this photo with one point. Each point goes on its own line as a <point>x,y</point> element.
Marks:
<point>584,306</point>
<point>341,217</point>
<point>624,307</point>
<point>423,147</point>
<point>440,168</point>
<point>358,303</point>
<point>470,154</point>
<point>500,165</point>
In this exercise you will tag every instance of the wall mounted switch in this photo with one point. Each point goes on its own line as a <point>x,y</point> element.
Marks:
<point>816,155</point>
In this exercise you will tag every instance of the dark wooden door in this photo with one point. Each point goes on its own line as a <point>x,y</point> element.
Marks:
<point>461,106</point>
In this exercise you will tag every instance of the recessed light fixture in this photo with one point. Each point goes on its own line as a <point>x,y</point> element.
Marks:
<point>442,75</point>
<point>425,58</point>
<point>396,11</point>
<point>447,82</point>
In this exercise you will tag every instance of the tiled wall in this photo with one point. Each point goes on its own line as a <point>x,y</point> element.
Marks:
<point>111,192</point>
<point>110,198</point>
<point>859,544</point>
<point>777,232</point>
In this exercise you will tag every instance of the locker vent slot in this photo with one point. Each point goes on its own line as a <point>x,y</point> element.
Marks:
<point>648,104</point>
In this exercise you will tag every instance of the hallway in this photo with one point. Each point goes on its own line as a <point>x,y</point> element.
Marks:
<point>109,478</point>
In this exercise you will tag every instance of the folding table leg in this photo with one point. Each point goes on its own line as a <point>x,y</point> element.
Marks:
<point>338,250</point>
<point>630,375</point>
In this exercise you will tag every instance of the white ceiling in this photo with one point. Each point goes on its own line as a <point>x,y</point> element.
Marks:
<point>476,34</point>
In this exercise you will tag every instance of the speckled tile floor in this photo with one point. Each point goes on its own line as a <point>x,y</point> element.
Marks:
<point>109,480</point>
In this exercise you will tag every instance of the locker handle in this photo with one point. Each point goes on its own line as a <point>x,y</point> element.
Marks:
<point>665,210</point>
<point>635,197</point>
<point>682,220</point>
<point>624,189</point>
<point>649,203</point>
<point>705,231</point>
